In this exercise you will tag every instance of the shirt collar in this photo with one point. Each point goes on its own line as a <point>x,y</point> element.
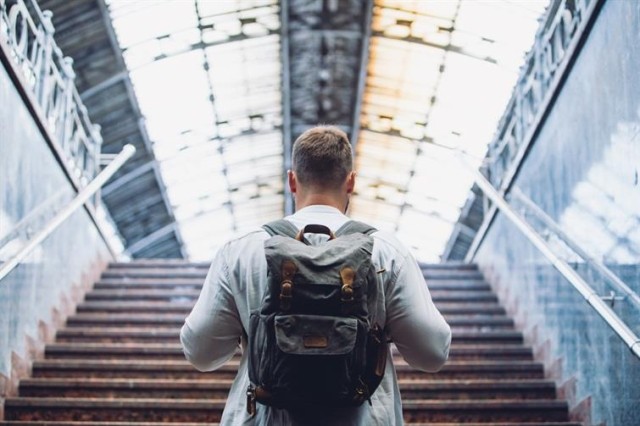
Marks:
<point>319,208</point>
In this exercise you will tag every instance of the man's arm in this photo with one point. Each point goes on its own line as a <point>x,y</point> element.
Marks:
<point>414,323</point>
<point>210,333</point>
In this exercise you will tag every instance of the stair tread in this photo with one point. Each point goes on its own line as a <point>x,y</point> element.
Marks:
<point>399,364</point>
<point>164,283</point>
<point>89,423</point>
<point>173,347</point>
<point>181,291</point>
<point>113,423</point>
<point>175,331</point>
<point>217,403</point>
<point>217,383</point>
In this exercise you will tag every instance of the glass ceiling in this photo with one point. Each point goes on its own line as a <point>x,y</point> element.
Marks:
<point>207,75</point>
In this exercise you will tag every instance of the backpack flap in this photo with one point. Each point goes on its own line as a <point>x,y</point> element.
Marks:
<point>315,334</point>
<point>317,285</point>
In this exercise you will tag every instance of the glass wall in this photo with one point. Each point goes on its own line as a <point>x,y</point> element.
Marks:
<point>582,172</point>
<point>33,187</point>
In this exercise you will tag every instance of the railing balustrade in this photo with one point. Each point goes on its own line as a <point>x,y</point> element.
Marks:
<point>537,75</point>
<point>26,37</point>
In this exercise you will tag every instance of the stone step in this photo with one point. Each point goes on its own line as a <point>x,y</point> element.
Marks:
<point>521,423</point>
<point>171,334</point>
<point>175,263</point>
<point>186,294</point>
<point>81,423</point>
<point>159,283</point>
<point>173,351</point>
<point>210,410</point>
<point>85,319</point>
<point>446,308</point>
<point>183,283</point>
<point>449,265</point>
<point>218,389</point>
<point>98,423</point>
<point>97,409</point>
<point>179,263</point>
<point>485,411</point>
<point>456,370</point>
<point>158,272</point>
<point>466,274</point>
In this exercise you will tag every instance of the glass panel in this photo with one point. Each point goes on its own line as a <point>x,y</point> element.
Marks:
<point>439,77</point>
<point>207,77</point>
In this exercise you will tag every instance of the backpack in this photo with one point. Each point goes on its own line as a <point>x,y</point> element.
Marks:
<point>312,341</point>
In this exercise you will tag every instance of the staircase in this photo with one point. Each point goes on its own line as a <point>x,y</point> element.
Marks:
<point>119,361</point>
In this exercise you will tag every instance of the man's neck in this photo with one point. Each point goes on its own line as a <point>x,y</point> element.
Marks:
<point>320,199</point>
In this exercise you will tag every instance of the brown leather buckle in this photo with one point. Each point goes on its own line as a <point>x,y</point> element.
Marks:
<point>347,275</point>
<point>286,287</point>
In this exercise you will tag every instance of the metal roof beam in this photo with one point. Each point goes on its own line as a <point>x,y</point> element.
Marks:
<point>286,104</point>
<point>447,48</point>
<point>149,239</point>
<point>114,79</point>
<point>126,178</point>
<point>201,45</point>
<point>362,75</point>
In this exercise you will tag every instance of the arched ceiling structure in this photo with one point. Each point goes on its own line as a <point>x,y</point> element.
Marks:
<point>214,92</point>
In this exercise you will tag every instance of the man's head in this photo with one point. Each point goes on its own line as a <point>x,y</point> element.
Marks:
<point>322,165</point>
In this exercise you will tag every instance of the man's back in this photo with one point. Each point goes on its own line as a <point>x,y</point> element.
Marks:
<point>234,287</point>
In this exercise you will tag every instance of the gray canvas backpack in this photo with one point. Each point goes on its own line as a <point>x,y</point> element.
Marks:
<point>312,341</point>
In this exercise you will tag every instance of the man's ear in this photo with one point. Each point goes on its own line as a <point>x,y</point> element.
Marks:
<point>351,182</point>
<point>292,181</point>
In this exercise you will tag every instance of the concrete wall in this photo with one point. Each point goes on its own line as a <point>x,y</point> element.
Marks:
<point>583,171</point>
<point>36,297</point>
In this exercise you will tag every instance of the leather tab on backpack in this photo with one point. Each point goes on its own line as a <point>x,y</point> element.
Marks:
<point>315,341</point>
<point>286,287</point>
<point>347,275</point>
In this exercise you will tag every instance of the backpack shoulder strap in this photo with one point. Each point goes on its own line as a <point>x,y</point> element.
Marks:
<point>281,227</point>
<point>354,226</point>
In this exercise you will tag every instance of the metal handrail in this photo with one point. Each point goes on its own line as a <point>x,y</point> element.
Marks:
<point>79,200</point>
<point>610,317</point>
<point>595,263</point>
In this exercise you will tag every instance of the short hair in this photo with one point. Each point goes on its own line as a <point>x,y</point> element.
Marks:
<point>322,157</point>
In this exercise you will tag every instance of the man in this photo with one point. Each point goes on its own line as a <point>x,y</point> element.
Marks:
<point>321,180</point>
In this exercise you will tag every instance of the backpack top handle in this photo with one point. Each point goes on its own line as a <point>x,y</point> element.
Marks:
<point>315,229</point>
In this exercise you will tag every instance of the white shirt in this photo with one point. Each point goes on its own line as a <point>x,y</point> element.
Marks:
<point>234,287</point>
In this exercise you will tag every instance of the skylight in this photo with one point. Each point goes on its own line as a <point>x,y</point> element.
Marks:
<point>208,78</point>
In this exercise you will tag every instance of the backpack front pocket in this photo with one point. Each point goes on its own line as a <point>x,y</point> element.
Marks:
<point>315,334</point>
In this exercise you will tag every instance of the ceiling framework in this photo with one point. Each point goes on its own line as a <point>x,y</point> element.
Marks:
<point>213,93</point>
<point>423,103</point>
<point>83,32</point>
<point>217,128</point>
<point>325,51</point>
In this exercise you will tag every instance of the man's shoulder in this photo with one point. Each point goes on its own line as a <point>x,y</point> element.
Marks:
<point>389,242</point>
<point>248,236</point>
<point>242,242</point>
